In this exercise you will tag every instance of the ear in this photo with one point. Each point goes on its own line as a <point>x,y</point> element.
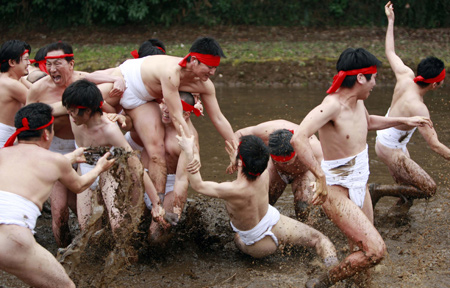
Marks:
<point>12,63</point>
<point>361,79</point>
<point>194,59</point>
<point>46,135</point>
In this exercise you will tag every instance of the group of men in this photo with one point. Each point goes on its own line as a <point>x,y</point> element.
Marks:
<point>153,97</point>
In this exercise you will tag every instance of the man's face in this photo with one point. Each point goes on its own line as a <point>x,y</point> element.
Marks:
<point>59,69</point>
<point>203,71</point>
<point>165,115</point>
<point>24,63</point>
<point>368,85</point>
<point>78,119</point>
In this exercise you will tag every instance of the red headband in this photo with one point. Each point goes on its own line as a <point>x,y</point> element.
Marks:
<point>207,59</point>
<point>284,158</point>
<point>24,52</point>
<point>438,78</point>
<point>25,127</point>
<point>84,107</point>
<point>339,78</point>
<point>59,56</point>
<point>189,108</point>
<point>135,54</point>
<point>41,63</point>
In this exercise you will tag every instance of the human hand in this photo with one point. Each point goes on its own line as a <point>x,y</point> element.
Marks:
<point>104,163</point>
<point>419,121</point>
<point>320,191</point>
<point>78,155</point>
<point>199,106</point>
<point>158,214</point>
<point>119,87</point>
<point>119,118</point>
<point>194,166</point>
<point>185,143</point>
<point>389,10</point>
<point>231,149</point>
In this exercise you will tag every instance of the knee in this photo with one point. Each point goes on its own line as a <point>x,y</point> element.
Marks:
<point>376,253</point>
<point>431,189</point>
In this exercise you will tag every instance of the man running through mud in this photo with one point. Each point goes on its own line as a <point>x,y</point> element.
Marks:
<point>259,227</point>
<point>342,122</point>
<point>285,167</point>
<point>25,186</point>
<point>150,79</point>
<point>413,182</point>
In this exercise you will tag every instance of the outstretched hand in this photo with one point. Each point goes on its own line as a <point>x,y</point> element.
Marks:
<point>231,149</point>
<point>120,119</point>
<point>419,121</point>
<point>186,144</point>
<point>104,163</point>
<point>389,10</point>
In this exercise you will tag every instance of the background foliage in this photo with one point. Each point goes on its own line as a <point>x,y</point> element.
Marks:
<point>307,13</point>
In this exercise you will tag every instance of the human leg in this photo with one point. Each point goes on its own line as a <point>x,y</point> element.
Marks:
<point>23,257</point>
<point>302,190</point>
<point>60,214</point>
<point>84,207</point>
<point>147,123</point>
<point>290,231</point>
<point>276,184</point>
<point>352,221</point>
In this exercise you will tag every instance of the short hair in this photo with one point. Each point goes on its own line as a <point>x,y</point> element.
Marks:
<point>151,47</point>
<point>206,45</point>
<point>12,50</point>
<point>83,93</point>
<point>280,142</point>
<point>37,114</point>
<point>429,67</point>
<point>61,45</point>
<point>254,155</point>
<point>157,43</point>
<point>187,97</point>
<point>40,55</point>
<point>352,59</point>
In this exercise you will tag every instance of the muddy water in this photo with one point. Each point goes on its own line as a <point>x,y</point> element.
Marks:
<point>202,253</point>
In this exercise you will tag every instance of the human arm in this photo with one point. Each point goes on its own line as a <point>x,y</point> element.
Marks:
<point>124,121</point>
<point>77,183</point>
<point>376,122</point>
<point>397,65</point>
<point>431,137</point>
<point>107,76</point>
<point>300,141</point>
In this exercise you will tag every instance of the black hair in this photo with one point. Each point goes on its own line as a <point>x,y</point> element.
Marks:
<point>280,142</point>
<point>12,50</point>
<point>37,114</point>
<point>40,55</point>
<point>254,155</point>
<point>61,45</point>
<point>157,43</point>
<point>187,97</point>
<point>148,48</point>
<point>206,45</point>
<point>429,67</point>
<point>83,93</point>
<point>352,59</point>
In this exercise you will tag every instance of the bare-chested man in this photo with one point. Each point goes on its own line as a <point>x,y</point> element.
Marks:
<point>342,122</point>
<point>60,66</point>
<point>27,174</point>
<point>14,62</point>
<point>413,182</point>
<point>152,78</point>
<point>92,128</point>
<point>259,227</point>
<point>285,167</point>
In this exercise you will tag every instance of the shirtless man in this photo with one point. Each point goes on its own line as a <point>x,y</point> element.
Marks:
<point>60,63</point>
<point>25,186</point>
<point>413,182</point>
<point>259,227</point>
<point>342,122</point>
<point>150,79</point>
<point>285,167</point>
<point>14,64</point>
<point>91,128</point>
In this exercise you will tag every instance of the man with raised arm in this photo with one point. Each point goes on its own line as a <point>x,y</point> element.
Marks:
<point>14,62</point>
<point>259,227</point>
<point>413,182</point>
<point>342,122</point>
<point>27,174</point>
<point>150,79</point>
<point>285,166</point>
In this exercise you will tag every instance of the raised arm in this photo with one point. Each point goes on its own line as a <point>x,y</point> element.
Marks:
<point>396,62</point>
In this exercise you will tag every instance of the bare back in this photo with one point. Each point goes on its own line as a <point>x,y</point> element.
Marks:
<point>39,170</point>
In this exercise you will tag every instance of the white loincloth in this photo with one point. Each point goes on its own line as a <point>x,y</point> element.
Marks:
<point>262,229</point>
<point>62,146</point>
<point>17,210</point>
<point>391,137</point>
<point>132,143</point>
<point>170,184</point>
<point>135,94</point>
<point>352,173</point>
<point>5,132</point>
